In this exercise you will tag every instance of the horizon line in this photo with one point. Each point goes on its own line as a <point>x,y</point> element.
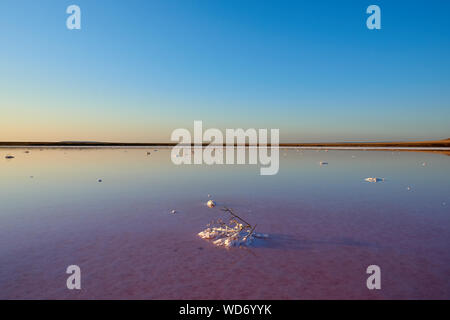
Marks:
<point>427,143</point>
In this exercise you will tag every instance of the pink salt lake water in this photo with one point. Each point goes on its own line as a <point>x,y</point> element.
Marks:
<point>326,226</point>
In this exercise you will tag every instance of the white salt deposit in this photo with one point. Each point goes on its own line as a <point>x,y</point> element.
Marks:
<point>211,203</point>
<point>372,179</point>
<point>232,235</point>
<point>227,237</point>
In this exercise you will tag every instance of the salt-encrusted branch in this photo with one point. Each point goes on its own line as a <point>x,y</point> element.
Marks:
<point>233,233</point>
<point>248,225</point>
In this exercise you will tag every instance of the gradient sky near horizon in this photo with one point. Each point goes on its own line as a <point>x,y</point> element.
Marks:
<point>137,70</point>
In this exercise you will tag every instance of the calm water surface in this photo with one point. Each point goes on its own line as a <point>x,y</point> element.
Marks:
<point>326,225</point>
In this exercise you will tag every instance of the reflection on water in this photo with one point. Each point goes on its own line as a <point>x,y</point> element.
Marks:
<point>327,224</point>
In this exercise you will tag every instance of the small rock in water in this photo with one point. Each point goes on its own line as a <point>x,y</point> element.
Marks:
<point>100,180</point>
<point>148,153</point>
<point>9,157</point>
<point>27,151</point>
<point>323,163</point>
<point>173,211</point>
<point>374,179</point>
<point>211,203</point>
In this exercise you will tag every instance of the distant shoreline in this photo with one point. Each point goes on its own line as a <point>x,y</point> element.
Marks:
<point>415,144</point>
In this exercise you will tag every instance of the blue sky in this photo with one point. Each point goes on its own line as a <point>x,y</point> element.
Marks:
<point>137,70</point>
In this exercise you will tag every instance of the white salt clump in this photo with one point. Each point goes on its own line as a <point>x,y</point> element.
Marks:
<point>232,235</point>
<point>372,179</point>
<point>211,203</point>
<point>173,211</point>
